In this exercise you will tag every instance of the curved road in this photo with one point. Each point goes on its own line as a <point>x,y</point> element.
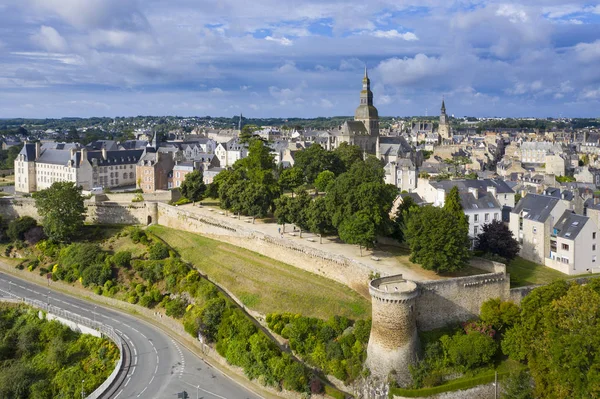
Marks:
<point>158,367</point>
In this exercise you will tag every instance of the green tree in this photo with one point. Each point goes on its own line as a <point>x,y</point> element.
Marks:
<point>501,315</point>
<point>247,133</point>
<point>358,229</point>
<point>348,155</point>
<point>497,239</point>
<point>318,218</point>
<point>558,335</point>
<point>193,186</point>
<point>452,202</point>
<point>457,162</point>
<point>283,210</point>
<point>61,209</point>
<point>323,180</point>
<point>291,178</point>
<point>402,216</point>
<point>438,239</point>
<point>313,161</point>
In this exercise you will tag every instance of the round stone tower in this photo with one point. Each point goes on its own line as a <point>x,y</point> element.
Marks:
<point>394,342</point>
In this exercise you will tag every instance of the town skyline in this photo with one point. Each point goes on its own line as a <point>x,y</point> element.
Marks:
<point>112,58</point>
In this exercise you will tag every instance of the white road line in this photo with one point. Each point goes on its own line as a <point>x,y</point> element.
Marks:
<point>145,390</point>
<point>204,390</point>
<point>134,351</point>
<point>127,382</point>
<point>151,379</point>
<point>121,391</point>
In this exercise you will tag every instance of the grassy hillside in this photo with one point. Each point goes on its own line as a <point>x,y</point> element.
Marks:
<point>264,284</point>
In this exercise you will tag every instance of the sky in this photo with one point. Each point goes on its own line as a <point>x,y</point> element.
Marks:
<point>303,58</point>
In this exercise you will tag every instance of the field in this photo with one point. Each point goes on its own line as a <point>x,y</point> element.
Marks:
<point>523,273</point>
<point>264,284</point>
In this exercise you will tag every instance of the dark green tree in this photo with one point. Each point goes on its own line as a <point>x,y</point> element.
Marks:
<point>318,218</point>
<point>18,227</point>
<point>518,386</point>
<point>313,161</point>
<point>452,202</point>
<point>61,209</point>
<point>497,239</point>
<point>402,216</point>
<point>438,239</point>
<point>348,155</point>
<point>358,229</point>
<point>193,187</point>
<point>291,178</point>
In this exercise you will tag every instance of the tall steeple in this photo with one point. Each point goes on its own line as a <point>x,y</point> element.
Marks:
<point>366,95</point>
<point>443,106</point>
<point>444,126</point>
<point>240,123</point>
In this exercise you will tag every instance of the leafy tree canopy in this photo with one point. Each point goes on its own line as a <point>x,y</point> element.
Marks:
<point>193,186</point>
<point>61,209</point>
<point>497,239</point>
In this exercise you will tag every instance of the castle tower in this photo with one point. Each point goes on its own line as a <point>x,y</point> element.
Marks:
<point>393,343</point>
<point>444,128</point>
<point>367,114</point>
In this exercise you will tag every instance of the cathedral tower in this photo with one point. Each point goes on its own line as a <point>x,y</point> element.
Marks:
<point>444,128</point>
<point>366,112</point>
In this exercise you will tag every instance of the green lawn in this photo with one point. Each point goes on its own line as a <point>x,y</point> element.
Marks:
<point>523,272</point>
<point>264,284</point>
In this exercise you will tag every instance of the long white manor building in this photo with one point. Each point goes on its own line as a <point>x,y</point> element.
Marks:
<point>38,166</point>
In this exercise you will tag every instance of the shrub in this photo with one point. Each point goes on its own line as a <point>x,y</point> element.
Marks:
<point>467,351</point>
<point>158,251</point>
<point>18,227</point>
<point>146,301</point>
<point>122,259</point>
<point>176,307</point>
<point>334,393</point>
<point>138,235</point>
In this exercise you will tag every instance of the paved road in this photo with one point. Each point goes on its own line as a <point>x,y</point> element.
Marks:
<point>160,367</point>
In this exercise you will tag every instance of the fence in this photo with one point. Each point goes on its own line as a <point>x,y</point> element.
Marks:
<point>105,330</point>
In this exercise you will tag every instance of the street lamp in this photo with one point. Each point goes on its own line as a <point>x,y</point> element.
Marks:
<point>82,391</point>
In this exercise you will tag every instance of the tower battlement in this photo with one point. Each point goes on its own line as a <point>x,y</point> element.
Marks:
<point>393,289</point>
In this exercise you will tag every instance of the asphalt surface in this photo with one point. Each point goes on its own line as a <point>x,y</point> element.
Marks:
<point>155,365</point>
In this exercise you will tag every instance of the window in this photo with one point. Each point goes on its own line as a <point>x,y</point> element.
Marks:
<point>476,218</point>
<point>496,216</point>
<point>565,247</point>
<point>593,247</point>
<point>594,259</point>
<point>534,230</point>
<point>476,230</point>
<point>594,235</point>
<point>487,217</point>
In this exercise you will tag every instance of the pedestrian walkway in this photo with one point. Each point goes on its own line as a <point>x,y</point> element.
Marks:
<point>384,262</point>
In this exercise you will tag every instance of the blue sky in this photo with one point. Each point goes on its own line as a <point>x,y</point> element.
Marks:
<point>282,58</point>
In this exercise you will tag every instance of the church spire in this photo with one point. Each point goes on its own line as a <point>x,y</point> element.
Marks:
<point>366,73</point>
<point>443,105</point>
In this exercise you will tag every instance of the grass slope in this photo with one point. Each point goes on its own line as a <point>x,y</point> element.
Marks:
<point>264,284</point>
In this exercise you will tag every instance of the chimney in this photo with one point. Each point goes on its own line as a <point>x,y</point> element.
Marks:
<point>73,151</point>
<point>104,155</point>
<point>83,154</point>
<point>38,149</point>
<point>474,191</point>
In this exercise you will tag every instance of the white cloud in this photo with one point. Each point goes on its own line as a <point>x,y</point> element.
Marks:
<point>284,41</point>
<point>588,52</point>
<point>394,34</point>
<point>49,39</point>
<point>216,91</point>
<point>324,103</point>
<point>514,13</point>
<point>591,94</point>
<point>411,70</point>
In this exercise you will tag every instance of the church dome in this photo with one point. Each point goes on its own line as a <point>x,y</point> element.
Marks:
<point>366,112</point>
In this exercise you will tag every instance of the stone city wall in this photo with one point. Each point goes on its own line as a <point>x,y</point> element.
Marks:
<point>480,392</point>
<point>341,269</point>
<point>459,299</point>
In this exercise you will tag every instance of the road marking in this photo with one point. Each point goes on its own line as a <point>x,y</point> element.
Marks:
<point>204,390</point>
<point>134,351</point>
<point>147,388</point>
<point>121,391</point>
<point>127,382</point>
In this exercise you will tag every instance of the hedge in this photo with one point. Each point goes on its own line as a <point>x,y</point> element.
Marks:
<point>450,386</point>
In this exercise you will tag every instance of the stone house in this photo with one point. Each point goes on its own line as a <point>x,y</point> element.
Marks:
<point>152,171</point>
<point>401,174</point>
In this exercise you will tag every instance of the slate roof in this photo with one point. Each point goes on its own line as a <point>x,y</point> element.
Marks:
<point>481,185</point>
<point>487,201</point>
<point>569,225</point>
<point>536,207</point>
<point>123,157</point>
<point>29,151</point>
